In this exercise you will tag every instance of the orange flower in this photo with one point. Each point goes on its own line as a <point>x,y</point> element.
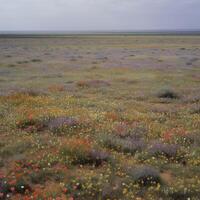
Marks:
<point>112,116</point>
<point>26,198</point>
<point>167,136</point>
<point>35,195</point>
<point>30,117</point>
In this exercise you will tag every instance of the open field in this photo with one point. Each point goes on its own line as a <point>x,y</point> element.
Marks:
<point>100,117</point>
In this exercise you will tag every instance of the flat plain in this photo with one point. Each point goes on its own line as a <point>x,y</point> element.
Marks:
<point>100,117</point>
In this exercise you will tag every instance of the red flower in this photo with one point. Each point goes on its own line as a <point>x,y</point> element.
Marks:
<point>1,175</point>
<point>65,190</point>
<point>12,182</point>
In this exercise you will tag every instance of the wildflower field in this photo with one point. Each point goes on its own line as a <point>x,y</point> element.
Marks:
<point>100,118</point>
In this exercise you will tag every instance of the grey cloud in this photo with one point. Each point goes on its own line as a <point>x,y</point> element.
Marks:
<point>99,14</point>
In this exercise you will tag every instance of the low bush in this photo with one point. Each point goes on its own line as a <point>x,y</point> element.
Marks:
<point>136,132</point>
<point>92,83</point>
<point>32,124</point>
<point>126,145</point>
<point>176,193</point>
<point>40,177</point>
<point>168,94</point>
<point>4,188</point>
<point>56,88</point>
<point>84,188</point>
<point>145,176</point>
<point>95,187</point>
<point>195,109</point>
<point>22,186</point>
<point>161,149</point>
<point>31,92</point>
<point>80,151</point>
<point>61,124</point>
<point>36,60</point>
<point>192,139</point>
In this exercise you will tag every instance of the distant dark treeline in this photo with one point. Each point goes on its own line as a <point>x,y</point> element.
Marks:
<point>41,34</point>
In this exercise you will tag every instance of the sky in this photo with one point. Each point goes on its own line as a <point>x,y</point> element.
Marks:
<point>99,15</point>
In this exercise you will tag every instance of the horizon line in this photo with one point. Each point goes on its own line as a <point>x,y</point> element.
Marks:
<point>28,33</point>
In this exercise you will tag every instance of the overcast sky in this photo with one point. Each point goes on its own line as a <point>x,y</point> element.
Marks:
<point>75,15</point>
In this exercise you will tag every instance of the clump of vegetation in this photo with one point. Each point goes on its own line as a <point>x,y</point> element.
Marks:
<point>92,83</point>
<point>31,92</point>
<point>167,94</point>
<point>41,176</point>
<point>31,124</point>
<point>113,189</point>
<point>136,132</point>
<point>161,149</point>
<point>139,132</point>
<point>22,62</point>
<point>8,56</point>
<point>95,187</point>
<point>176,136</point>
<point>36,60</point>
<point>22,186</point>
<point>62,124</point>
<point>126,145</point>
<point>178,191</point>
<point>98,157</point>
<point>56,88</point>
<point>195,109</point>
<point>192,139</point>
<point>4,188</point>
<point>146,176</point>
<point>89,188</point>
<point>81,152</point>
<point>11,65</point>
<point>193,97</point>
